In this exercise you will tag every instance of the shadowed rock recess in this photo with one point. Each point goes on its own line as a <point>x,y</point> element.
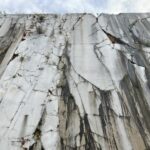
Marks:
<point>75,82</point>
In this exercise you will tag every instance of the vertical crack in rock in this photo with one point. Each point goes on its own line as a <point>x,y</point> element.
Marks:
<point>107,117</point>
<point>37,135</point>
<point>71,119</point>
<point>7,39</point>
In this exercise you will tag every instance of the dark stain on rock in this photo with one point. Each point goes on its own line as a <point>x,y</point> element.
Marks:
<point>91,144</point>
<point>104,110</point>
<point>81,129</point>
<point>21,59</point>
<point>85,130</point>
<point>113,39</point>
<point>14,56</point>
<point>136,99</point>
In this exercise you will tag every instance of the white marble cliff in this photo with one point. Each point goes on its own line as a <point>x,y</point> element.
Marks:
<point>75,82</point>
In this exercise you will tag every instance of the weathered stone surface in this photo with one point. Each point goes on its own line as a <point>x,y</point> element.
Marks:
<point>75,82</point>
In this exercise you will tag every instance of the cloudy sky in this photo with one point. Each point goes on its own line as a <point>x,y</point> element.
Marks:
<point>66,6</point>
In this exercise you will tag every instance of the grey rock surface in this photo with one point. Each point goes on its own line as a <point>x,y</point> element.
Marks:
<point>75,82</point>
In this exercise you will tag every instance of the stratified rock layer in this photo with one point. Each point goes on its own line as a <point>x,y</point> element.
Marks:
<point>75,82</point>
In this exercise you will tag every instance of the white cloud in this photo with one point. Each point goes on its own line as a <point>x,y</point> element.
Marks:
<point>143,6</point>
<point>61,6</point>
<point>117,6</point>
<point>19,6</point>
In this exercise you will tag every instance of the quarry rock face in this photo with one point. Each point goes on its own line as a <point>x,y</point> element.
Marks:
<point>75,82</point>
